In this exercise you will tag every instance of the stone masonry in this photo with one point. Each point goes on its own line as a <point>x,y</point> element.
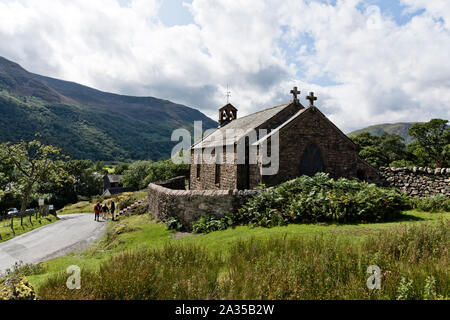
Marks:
<point>170,199</point>
<point>189,205</point>
<point>420,181</point>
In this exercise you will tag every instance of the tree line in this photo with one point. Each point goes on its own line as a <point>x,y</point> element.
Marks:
<point>31,170</point>
<point>430,147</point>
<point>140,173</point>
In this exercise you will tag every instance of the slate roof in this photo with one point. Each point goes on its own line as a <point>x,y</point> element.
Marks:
<point>240,127</point>
<point>114,178</point>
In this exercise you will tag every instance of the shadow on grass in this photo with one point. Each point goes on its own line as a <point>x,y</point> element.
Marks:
<point>405,217</point>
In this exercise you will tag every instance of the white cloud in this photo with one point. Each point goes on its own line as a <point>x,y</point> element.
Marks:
<point>384,72</point>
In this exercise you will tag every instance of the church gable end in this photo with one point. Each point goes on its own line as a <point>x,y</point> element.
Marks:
<point>311,143</point>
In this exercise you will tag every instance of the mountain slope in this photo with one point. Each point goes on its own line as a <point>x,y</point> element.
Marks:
<point>87,123</point>
<point>143,108</point>
<point>400,129</point>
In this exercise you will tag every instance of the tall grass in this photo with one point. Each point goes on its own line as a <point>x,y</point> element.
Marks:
<point>324,268</point>
<point>435,203</point>
<point>176,272</point>
<point>413,260</point>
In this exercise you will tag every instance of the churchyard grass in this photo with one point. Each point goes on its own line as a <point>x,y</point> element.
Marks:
<point>134,236</point>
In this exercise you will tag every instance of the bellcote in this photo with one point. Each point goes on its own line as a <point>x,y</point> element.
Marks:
<point>227,114</point>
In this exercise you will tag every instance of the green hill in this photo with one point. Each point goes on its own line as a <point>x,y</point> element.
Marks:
<point>87,123</point>
<point>400,129</point>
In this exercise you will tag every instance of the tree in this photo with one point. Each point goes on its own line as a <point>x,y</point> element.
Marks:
<point>33,163</point>
<point>100,167</point>
<point>121,168</point>
<point>432,143</point>
<point>84,183</point>
<point>136,174</point>
<point>381,150</point>
<point>87,183</point>
<point>7,196</point>
<point>6,173</point>
<point>141,173</point>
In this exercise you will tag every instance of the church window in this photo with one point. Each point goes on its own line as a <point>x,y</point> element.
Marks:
<point>198,167</point>
<point>311,161</point>
<point>217,178</point>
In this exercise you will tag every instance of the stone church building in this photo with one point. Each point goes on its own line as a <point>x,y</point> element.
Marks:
<point>308,143</point>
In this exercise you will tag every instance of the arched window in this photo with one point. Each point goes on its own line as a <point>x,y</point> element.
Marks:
<point>311,161</point>
<point>217,178</point>
<point>361,175</point>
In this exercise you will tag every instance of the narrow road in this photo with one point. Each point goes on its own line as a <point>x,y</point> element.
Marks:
<point>72,232</point>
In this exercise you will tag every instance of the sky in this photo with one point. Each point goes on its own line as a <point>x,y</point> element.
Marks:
<point>368,61</point>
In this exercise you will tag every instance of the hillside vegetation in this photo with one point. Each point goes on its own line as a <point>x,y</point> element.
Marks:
<point>430,148</point>
<point>400,128</point>
<point>87,123</point>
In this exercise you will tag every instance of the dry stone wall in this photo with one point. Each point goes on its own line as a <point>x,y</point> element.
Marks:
<point>170,199</point>
<point>189,205</point>
<point>420,181</point>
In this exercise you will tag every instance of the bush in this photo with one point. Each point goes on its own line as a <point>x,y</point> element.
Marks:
<point>174,224</point>
<point>16,288</point>
<point>401,164</point>
<point>125,203</point>
<point>321,199</point>
<point>211,223</point>
<point>434,203</point>
<point>24,269</point>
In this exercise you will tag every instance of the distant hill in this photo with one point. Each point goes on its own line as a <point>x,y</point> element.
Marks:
<point>87,123</point>
<point>400,129</point>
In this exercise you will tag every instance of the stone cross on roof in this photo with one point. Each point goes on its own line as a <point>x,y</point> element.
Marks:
<point>311,99</point>
<point>295,92</point>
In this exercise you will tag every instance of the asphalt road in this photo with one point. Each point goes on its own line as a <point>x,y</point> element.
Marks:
<point>72,232</point>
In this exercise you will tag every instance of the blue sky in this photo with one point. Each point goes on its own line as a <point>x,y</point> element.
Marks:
<point>172,12</point>
<point>368,61</point>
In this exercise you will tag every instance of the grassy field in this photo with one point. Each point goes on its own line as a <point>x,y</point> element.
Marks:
<point>138,233</point>
<point>7,233</point>
<point>88,206</point>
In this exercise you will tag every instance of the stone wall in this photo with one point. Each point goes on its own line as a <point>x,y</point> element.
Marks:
<point>420,182</point>
<point>178,183</point>
<point>189,206</point>
<point>166,201</point>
